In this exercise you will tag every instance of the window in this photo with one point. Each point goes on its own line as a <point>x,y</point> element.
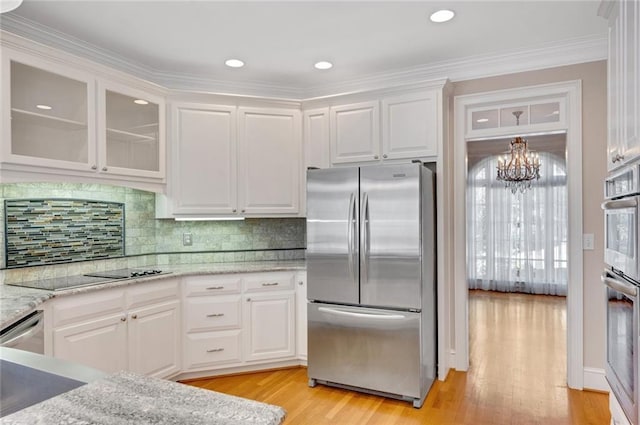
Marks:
<point>517,243</point>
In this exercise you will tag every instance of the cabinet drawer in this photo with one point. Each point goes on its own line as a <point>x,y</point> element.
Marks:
<point>212,348</point>
<point>212,313</point>
<point>269,282</point>
<point>212,285</point>
<point>79,308</point>
<point>153,292</point>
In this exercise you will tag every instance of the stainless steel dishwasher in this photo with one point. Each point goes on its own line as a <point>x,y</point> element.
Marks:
<point>25,334</point>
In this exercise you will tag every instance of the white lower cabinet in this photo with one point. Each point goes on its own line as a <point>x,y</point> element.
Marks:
<point>301,315</point>
<point>136,329</point>
<point>238,320</point>
<point>99,343</point>
<point>154,339</point>
<point>270,329</point>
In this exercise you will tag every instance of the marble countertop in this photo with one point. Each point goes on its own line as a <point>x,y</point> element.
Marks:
<point>16,302</point>
<point>128,398</point>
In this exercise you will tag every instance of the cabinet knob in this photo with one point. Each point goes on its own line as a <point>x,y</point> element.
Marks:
<point>384,156</point>
<point>134,316</point>
<point>123,319</point>
<point>375,157</point>
<point>301,283</point>
<point>234,210</point>
<point>243,210</point>
<point>94,167</point>
<point>104,168</point>
<point>248,300</point>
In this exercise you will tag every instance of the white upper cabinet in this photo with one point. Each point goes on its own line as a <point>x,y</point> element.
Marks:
<point>316,138</point>
<point>269,142</point>
<point>623,83</point>
<point>355,132</point>
<point>409,125</point>
<point>59,120</point>
<point>48,116</point>
<point>204,159</point>
<point>131,128</point>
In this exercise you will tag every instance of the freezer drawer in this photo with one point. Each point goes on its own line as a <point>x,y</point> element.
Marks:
<point>372,349</point>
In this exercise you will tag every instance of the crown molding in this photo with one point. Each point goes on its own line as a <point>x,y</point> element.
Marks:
<point>548,55</point>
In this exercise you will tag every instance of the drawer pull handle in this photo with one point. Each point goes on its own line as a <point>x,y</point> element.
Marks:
<point>215,350</point>
<point>215,287</point>
<point>270,284</point>
<point>215,315</point>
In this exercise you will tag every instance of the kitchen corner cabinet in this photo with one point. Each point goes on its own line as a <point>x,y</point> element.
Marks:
<point>62,120</point>
<point>623,83</point>
<point>136,329</point>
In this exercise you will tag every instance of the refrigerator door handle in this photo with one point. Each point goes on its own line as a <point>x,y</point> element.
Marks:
<point>350,236</point>
<point>364,237</point>
<point>361,315</point>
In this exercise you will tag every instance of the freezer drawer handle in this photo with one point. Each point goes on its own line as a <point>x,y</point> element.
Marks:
<point>361,315</point>
<point>215,315</point>
<point>215,350</point>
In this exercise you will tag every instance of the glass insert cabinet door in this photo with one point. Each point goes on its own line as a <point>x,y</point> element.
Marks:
<point>132,133</point>
<point>50,122</point>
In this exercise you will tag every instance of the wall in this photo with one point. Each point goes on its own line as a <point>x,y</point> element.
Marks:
<point>149,241</point>
<point>594,136</point>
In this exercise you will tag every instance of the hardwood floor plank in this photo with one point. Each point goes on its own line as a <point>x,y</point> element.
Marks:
<point>517,376</point>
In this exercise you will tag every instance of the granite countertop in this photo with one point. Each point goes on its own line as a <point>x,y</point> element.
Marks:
<point>129,398</point>
<point>16,302</point>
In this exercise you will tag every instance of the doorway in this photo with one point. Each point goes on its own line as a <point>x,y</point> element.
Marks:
<point>483,108</point>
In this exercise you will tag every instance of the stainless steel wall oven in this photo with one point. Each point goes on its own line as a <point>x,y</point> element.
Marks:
<point>622,282</point>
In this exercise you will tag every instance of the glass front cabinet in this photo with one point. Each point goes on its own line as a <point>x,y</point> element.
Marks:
<point>58,119</point>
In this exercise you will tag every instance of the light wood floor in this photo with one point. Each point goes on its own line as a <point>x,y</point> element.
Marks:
<point>517,376</point>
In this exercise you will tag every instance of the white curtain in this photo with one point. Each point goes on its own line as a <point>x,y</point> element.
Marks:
<point>517,242</point>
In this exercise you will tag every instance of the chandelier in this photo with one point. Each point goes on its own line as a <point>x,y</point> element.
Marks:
<point>520,166</point>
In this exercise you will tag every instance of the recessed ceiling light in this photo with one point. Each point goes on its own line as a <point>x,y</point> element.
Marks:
<point>234,63</point>
<point>443,15</point>
<point>9,5</point>
<point>141,102</point>
<point>483,120</point>
<point>323,65</point>
<point>45,107</point>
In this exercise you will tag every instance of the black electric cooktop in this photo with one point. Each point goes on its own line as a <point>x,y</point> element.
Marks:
<point>94,278</point>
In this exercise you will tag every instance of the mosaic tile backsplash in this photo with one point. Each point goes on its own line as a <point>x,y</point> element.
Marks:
<point>156,242</point>
<point>53,231</point>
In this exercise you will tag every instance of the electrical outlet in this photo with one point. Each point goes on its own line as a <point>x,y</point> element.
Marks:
<point>588,242</point>
<point>187,239</point>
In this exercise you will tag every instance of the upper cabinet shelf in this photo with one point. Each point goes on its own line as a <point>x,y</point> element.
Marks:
<point>35,119</point>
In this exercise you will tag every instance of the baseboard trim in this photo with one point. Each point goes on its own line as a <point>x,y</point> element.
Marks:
<point>594,379</point>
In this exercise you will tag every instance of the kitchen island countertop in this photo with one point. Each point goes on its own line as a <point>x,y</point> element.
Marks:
<point>129,398</point>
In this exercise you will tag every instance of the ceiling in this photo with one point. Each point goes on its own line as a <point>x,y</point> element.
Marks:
<point>280,41</point>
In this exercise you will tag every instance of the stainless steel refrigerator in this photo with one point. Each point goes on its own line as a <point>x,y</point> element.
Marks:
<point>371,279</point>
